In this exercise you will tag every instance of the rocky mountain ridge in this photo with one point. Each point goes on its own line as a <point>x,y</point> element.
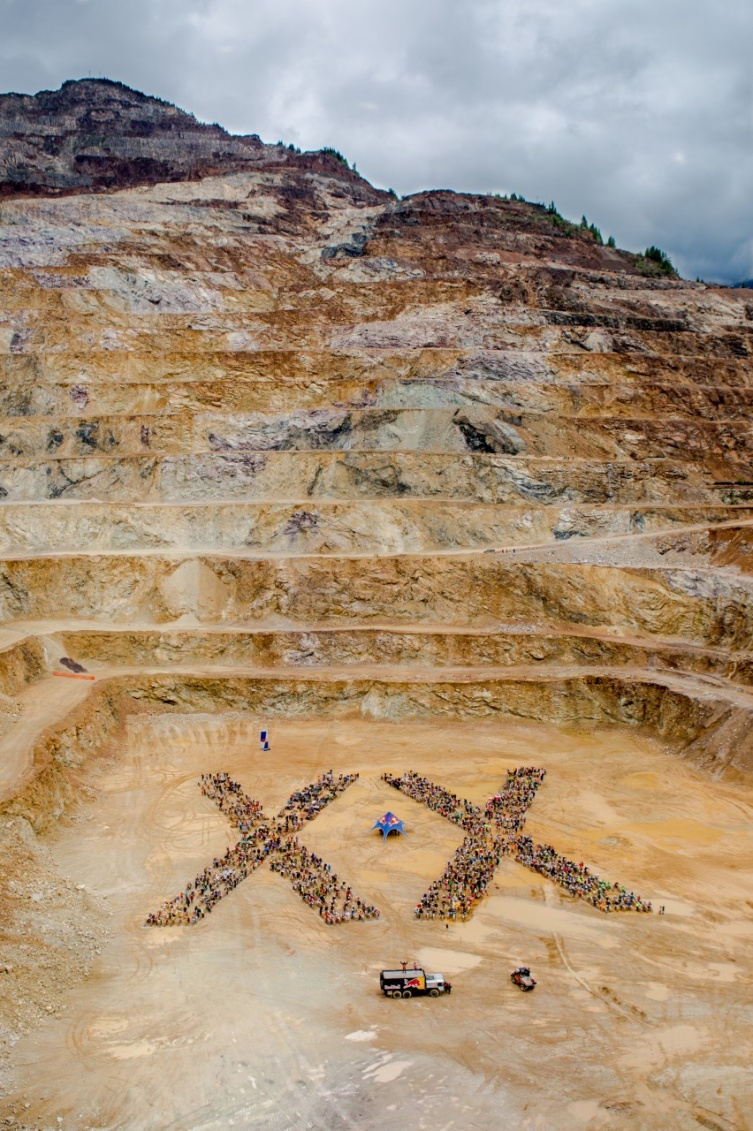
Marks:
<point>99,135</point>
<point>95,135</point>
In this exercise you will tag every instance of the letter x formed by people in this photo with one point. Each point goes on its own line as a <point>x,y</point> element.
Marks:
<point>493,833</point>
<point>265,838</point>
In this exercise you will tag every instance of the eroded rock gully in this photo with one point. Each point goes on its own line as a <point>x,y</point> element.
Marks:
<point>275,441</point>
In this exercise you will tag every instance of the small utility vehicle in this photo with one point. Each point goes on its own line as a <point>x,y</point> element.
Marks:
<point>522,977</point>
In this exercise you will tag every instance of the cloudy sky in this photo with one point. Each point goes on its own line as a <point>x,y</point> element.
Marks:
<point>638,113</point>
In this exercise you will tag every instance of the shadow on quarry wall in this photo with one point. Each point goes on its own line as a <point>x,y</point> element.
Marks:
<point>711,734</point>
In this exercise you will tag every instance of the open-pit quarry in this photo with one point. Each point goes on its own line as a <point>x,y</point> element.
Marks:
<point>435,485</point>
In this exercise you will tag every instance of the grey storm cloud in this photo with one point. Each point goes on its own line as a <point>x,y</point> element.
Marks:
<point>638,113</point>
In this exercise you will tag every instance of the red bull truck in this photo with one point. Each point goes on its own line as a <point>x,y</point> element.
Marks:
<point>412,983</point>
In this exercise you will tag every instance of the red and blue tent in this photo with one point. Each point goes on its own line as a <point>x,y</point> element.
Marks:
<point>389,823</point>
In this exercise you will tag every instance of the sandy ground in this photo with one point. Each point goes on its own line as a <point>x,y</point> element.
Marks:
<point>263,1017</point>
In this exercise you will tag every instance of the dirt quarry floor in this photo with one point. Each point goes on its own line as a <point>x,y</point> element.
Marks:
<point>263,1017</point>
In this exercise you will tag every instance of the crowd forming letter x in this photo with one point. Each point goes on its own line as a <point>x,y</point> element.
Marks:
<point>494,832</point>
<point>267,838</point>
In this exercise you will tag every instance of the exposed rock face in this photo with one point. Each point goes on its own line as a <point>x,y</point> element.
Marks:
<point>94,134</point>
<point>259,417</point>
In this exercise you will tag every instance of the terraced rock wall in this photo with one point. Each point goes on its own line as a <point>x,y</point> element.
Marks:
<point>266,427</point>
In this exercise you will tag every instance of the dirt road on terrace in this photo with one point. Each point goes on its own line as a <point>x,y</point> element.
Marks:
<point>263,1017</point>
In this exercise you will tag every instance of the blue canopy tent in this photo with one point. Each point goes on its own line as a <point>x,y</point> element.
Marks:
<point>389,823</point>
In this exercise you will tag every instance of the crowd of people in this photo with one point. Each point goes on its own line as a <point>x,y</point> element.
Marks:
<point>493,833</point>
<point>217,880</point>
<point>464,881</point>
<point>506,810</point>
<point>318,885</point>
<point>447,804</point>
<point>490,834</point>
<point>240,810</point>
<point>577,879</point>
<point>304,804</point>
<point>266,838</point>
